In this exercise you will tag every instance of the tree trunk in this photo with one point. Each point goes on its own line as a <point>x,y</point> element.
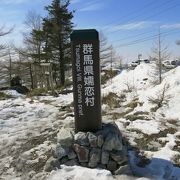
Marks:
<point>61,63</point>
<point>159,57</point>
<point>31,76</point>
<point>62,71</point>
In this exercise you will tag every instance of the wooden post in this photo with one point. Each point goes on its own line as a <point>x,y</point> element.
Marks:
<point>86,79</point>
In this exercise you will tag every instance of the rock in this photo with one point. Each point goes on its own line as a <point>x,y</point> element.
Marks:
<point>92,139</point>
<point>118,156</point>
<point>69,123</point>
<point>72,162</point>
<point>110,128</point>
<point>103,149</point>
<point>123,170</point>
<point>20,89</point>
<point>113,142</point>
<point>95,156</point>
<point>101,166</point>
<point>81,138</point>
<point>72,154</point>
<point>61,151</point>
<point>16,81</point>
<point>100,141</point>
<point>65,137</point>
<point>104,157</point>
<point>84,164</point>
<point>112,166</point>
<point>64,160</point>
<point>82,152</point>
<point>51,164</point>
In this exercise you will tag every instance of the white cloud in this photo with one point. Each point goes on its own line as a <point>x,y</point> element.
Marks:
<point>170,26</point>
<point>93,6</point>
<point>133,26</point>
<point>13,1</point>
<point>75,1</point>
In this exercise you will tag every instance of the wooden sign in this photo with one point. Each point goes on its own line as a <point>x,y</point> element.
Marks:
<point>86,78</point>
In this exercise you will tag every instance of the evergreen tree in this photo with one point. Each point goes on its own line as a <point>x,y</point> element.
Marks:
<point>57,27</point>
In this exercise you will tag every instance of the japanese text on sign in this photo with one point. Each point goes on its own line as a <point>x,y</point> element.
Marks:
<point>88,74</point>
<point>79,81</point>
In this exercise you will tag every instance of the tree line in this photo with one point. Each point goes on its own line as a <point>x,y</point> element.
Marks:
<point>47,40</point>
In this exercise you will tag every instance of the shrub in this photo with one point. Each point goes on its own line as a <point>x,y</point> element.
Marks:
<point>37,92</point>
<point>108,74</point>
<point>160,99</point>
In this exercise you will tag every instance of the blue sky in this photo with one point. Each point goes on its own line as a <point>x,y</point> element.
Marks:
<point>121,21</point>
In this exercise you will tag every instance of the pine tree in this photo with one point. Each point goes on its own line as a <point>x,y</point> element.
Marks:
<point>57,27</point>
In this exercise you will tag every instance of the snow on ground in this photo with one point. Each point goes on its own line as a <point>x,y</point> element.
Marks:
<point>81,173</point>
<point>144,125</point>
<point>29,126</point>
<point>139,78</point>
<point>156,133</point>
<point>77,173</point>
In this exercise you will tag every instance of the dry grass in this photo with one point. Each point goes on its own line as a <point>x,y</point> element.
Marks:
<point>113,100</point>
<point>133,104</point>
<point>120,115</point>
<point>37,92</point>
<point>137,113</point>
<point>173,121</point>
<point>134,117</point>
<point>152,142</point>
<point>4,96</point>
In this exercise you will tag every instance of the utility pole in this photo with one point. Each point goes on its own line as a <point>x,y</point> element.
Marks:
<point>159,57</point>
<point>120,63</point>
<point>111,62</point>
<point>10,67</point>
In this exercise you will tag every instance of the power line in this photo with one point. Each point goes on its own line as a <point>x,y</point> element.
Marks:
<point>87,4</point>
<point>147,38</point>
<point>140,11</point>
<point>132,36</point>
<point>132,12</point>
<point>161,12</point>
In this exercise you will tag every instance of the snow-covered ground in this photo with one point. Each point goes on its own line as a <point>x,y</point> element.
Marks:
<point>28,129</point>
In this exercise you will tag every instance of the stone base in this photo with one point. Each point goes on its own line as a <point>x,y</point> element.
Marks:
<point>104,149</point>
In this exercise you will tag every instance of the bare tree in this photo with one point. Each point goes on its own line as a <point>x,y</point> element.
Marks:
<point>178,42</point>
<point>105,49</point>
<point>5,70</point>
<point>33,44</point>
<point>159,54</point>
<point>161,98</point>
<point>120,62</point>
<point>33,23</point>
<point>4,32</point>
